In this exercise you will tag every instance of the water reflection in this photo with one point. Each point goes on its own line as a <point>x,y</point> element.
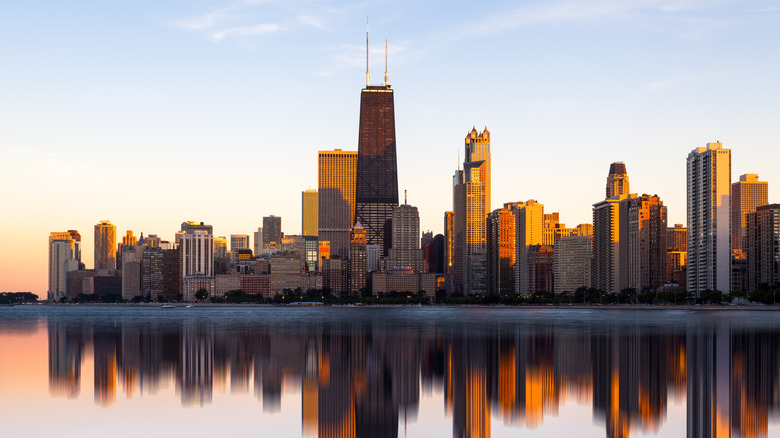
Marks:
<point>361,372</point>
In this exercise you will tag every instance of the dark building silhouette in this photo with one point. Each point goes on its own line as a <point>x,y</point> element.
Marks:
<point>376,186</point>
<point>434,255</point>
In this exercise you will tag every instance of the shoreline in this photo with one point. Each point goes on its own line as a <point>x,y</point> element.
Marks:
<point>623,307</point>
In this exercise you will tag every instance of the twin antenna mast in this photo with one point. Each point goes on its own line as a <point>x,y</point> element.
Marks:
<point>387,75</point>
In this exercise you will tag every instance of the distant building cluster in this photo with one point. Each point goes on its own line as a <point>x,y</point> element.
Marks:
<point>356,239</point>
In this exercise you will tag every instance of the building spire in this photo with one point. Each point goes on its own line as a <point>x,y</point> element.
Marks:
<point>404,196</point>
<point>366,50</point>
<point>387,76</point>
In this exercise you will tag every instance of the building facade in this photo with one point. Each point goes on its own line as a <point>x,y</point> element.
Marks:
<point>405,252</point>
<point>105,245</point>
<point>376,180</point>
<point>646,236</point>
<point>62,248</point>
<point>617,180</point>
<point>709,214</point>
<point>606,268</point>
<point>501,254</point>
<point>470,255</point>
<point>762,244</point>
<point>529,227</point>
<point>336,173</point>
<point>449,241</point>
<point>478,149</point>
<point>239,241</point>
<point>746,195</point>
<point>358,261</point>
<point>309,213</point>
<point>272,232</point>
<point>572,263</point>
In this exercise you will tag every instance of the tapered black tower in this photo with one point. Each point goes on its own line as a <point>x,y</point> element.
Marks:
<point>376,190</point>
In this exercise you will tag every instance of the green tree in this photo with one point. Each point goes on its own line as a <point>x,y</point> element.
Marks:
<point>201,294</point>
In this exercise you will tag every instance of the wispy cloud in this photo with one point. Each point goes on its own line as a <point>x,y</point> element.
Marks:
<point>767,9</point>
<point>311,20</point>
<point>239,31</point>
<point>674,82</point>
<point>203,22</point>
<point>579,11</point>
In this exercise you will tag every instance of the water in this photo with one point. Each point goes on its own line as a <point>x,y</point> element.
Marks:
<point>96,371</point>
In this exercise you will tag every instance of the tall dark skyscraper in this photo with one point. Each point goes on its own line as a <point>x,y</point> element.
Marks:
<point>376,187</point>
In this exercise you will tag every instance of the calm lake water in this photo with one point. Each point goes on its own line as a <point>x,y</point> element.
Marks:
<point>99,371</point>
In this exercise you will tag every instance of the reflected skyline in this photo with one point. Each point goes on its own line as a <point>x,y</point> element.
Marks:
<point>361,372</point>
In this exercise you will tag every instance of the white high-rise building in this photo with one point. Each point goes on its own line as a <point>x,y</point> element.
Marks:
<point>709,215</point>
<point>61,250</point>
<point>197,253</point>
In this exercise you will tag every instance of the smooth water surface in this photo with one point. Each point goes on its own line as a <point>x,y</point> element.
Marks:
<point>97,371</point>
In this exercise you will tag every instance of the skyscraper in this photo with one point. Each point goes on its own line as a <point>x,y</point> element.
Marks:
<point>478,149</point>
<point>376,185</point>
<point>105,245</point>
<point>405,252</point>
<point>677,238</point>
<point>197,256</point>
<point>607,246</point>
<point>529,231</point>
<point>746,194</point>
<point>501,252</point>
<point>239,241</point>
<point>61,251</point>
<point>646,237</point>
<point>449,241</point>
<point>309,213</point>
<point>258,241</point>
<point>709,213</point>
<point>272,231</point>
<point>336,205</point>
<point>762,244</point>
<point>470,254</point>
<point>617,180</point>
<point>572,264</point>
<point>358,259</point>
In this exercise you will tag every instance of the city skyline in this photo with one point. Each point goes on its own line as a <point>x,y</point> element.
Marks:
<point>57,146</point>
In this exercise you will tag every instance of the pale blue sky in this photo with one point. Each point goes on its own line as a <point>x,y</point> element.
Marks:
<point>149,113</point>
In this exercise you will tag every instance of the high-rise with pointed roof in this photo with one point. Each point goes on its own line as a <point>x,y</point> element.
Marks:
<point>376,188</point>
<point>617,181</point>
<point>470,193</point>
<point>478,149</point>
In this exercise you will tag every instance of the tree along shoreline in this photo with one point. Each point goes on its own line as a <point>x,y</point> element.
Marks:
<point>581,297</point>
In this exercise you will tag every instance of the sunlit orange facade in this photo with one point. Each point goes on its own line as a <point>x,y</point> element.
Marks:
<point>336,173</point>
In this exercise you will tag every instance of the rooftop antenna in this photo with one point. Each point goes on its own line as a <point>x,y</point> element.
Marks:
<point>366,50</point>
<point>387,76</point>
<point>405,197</point>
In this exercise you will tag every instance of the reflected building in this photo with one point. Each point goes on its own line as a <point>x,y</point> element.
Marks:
<point>66,347</point>
<point>365,377</point>
<point>197,363</point>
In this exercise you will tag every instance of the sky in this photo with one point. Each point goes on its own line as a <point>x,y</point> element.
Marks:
<point>151,113</point>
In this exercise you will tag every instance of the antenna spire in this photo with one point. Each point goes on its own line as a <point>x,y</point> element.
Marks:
<point>387,76</point>
<point>405,197</point>
<point>366,50</point>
